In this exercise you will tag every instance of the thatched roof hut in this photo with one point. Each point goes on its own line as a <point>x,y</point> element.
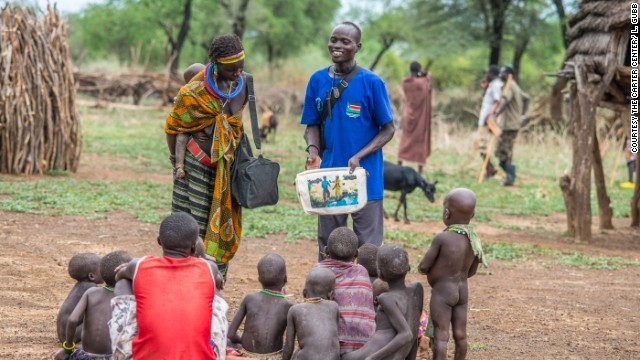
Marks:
<point>598,59</point>
<point>600,28</point>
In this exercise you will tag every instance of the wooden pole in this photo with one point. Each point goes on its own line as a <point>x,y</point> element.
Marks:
<point>486,159</point>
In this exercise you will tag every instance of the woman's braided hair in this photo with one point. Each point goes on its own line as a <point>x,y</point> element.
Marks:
<point>224,45</point>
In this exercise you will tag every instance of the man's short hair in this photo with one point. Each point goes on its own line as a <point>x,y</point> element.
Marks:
<point>272,270</point>
<point>367,257</point>
<point>415,67</point>
<point>508,70</point>
<point>82,264</point>
<point>342,244</point>
<point>178,231</point>
<point>355,26</point>
<point>109,263</point>
<point>494,70</point>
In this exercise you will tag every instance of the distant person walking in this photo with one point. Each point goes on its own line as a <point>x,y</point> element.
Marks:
<point>415,143</point>
<point>513,106</point>
<point>492,95</point>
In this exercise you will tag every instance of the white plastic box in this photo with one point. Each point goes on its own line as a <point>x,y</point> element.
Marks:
<point>332,191</point>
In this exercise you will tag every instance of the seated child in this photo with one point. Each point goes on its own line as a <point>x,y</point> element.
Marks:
<point>454,256</point>
<point>183,139</point>
<point>173,295</point>
<point>94,312</point>
<point>85,269</point>
<point>123,326</point>
<point>354,293</point>
<point>219,324</point>
<point>264,313</point>
<point>314,322</point>
<point>399,309</point>
<point>367,255</point>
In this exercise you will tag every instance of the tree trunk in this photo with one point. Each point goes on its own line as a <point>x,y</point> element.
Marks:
<point>386,44</point>
<point>567,194</point>
<point>562,18</point>
<point>521,47</point>
<point>583,154</point>
<point>635,200</point>
<point>182,36</point>
<point>238,19</point>
<point>604,202</point>
<point>498,12</point>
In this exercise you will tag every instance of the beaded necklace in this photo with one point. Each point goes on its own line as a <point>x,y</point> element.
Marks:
<point>210,84</point>
<point>314,300</point>
<point>107,288</point>
<point>273,293</point>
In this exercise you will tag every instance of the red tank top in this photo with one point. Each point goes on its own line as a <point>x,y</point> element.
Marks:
<point>174,306</point>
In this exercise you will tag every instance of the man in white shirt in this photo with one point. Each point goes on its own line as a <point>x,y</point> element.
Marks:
<point>491,96</point>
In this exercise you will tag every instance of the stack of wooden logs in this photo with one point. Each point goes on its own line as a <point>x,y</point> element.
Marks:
<point>39,126</point>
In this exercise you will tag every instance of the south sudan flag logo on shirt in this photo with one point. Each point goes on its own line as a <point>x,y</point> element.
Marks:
<point>353,110</point>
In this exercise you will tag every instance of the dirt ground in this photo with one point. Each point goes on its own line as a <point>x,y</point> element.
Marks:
<point>531,309</point>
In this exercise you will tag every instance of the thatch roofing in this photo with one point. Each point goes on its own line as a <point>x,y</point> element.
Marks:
<point>593,27</point>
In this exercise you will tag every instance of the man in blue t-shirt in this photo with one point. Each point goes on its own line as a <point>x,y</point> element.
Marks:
<point>360,124</point>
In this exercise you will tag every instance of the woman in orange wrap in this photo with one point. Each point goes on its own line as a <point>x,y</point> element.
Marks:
<point>209,108</point>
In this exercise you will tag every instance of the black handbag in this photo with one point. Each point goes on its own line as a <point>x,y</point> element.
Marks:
<point>254,181</point>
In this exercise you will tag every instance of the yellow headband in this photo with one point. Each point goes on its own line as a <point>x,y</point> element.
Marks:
<point>231,59</point>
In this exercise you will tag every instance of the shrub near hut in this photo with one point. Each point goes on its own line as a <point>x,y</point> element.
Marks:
<point>39,126</point>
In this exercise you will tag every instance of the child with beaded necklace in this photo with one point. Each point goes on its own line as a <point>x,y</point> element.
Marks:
<point>94,312</point>
<point>314,322</point>
<point>264,313</point>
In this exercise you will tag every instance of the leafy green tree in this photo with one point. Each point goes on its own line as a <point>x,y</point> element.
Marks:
<point>282,28</point>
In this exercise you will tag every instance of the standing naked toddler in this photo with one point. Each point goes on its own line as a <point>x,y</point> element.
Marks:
<point>452,258</point>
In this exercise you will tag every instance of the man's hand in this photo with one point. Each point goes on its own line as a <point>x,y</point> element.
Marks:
<point>354,162</point>
<point>314,159</point>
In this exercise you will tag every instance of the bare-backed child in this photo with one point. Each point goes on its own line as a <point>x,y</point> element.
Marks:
<point>264,313</point>
<point>398,316</point>
<point>354,293</point>
<point>173,297</point>
<point>452,258</point>
<point>367,255</point>
<point>219,323</point>
<point>314,322</point>
<point>85,269</point>
<point>183,139</point>
<point>94,312</point>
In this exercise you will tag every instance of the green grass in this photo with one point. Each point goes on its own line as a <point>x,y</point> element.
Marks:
<point>148,201</point>
<point>138,139</point>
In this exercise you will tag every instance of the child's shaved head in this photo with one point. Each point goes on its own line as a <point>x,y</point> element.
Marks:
<point>342,244</point>
<point>199,252</point>
<point>320,283</point>
<point>81,265</point>
<point>192,71</point>
<point>393,262</point>
<point>459,206</point>
<point>178,231</point>
<point>379,287</point>
<point>272,271</point>
<point>110,262</point>
<point>367,257</point>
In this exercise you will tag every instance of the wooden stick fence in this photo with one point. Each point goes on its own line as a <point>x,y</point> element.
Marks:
<point>39,126</point>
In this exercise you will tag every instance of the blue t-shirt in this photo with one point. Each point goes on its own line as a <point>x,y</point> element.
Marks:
<point>356,119</point>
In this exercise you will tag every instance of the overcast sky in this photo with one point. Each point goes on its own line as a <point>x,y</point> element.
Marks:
<point>68,5</point>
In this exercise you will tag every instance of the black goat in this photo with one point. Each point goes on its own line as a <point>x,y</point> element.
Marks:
<point>405,179</point>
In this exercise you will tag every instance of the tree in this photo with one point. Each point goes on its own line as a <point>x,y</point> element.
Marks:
<point>237,18</point>
<point>284,27</point>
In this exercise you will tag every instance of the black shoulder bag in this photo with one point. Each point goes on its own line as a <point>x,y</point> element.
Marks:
<point>254,181</point>
<point>332,96</point>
